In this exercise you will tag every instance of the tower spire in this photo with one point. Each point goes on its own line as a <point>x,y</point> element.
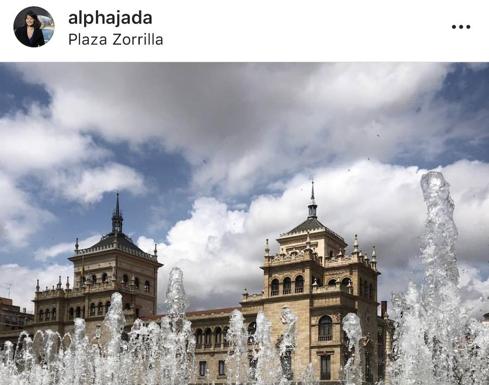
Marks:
<point>117,217</point>
<point>312,206</point>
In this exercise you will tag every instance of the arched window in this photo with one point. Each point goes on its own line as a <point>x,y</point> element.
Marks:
<point>41,315</point>
<point>198,338</point>
<point>78,312</point>
<point>47,315</point>
<point>104,277</point>
<point>325,328</point>
<point>225,335</point>
<point>71,313</point>
<point>136,282</point>
<point>331,253</point>
<point>299,284</point>
<point>53,314</point>
<point>208,338</point>
<point>100,308</point>
<point>94,278</point>
<point>107,305</point>
<point>218,334</point>
<point>287,286</point>
<point>251,332</point>
<point>274,288</point>
<point>92,309</point>
<point>332,282</point>
<point>125,279</point>
<point>146,286</point>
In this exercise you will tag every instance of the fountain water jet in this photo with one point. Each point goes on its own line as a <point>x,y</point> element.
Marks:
<point>435,342</point>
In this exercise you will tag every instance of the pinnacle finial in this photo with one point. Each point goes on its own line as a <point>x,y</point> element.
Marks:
<point>37,286</point>
<point>355,245</point>
<point>373,262</point>
<point>117,204</point>
<point>156,250</point>
<point>312,206</point>
<point>267,248</point>
<point>76,244</point>
<point>117,218</point>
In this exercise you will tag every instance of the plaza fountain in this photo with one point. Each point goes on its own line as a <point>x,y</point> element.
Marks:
<point>435,340</point>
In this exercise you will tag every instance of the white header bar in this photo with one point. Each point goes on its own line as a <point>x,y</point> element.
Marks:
<point>257,30</point>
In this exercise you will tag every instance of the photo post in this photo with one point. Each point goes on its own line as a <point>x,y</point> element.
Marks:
<point>244,193</point>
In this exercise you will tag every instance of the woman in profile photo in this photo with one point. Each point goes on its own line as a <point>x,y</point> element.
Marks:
<point>30,34</point>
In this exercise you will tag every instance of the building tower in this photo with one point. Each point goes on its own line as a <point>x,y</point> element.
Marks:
<point>114,264</point>
<point>312,275</point>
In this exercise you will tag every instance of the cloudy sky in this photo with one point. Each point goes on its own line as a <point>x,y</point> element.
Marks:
<point>211,159</point>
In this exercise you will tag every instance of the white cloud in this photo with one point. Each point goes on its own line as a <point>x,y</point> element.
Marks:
<point>240,125</point>
<point>220,249</point>
<point>45,253</point>
<point>474,290</point>
<point>88,185</point>
<point>20,217</point>
<point>23,294</point>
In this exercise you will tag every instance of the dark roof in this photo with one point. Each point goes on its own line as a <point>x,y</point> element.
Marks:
<point>122,240</point>
<point>308,225</point>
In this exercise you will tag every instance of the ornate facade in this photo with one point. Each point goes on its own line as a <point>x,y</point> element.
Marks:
<point>114,264</point>
<point>311,275</point>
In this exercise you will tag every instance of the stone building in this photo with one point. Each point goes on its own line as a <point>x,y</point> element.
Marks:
<point>114,264</point>
<point>12,320</point>
<point>311,275</point>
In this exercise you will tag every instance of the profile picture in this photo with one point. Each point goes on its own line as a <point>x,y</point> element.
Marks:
<point>33,26</point>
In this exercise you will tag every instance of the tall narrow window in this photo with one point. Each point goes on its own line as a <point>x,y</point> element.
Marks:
<point>107,306</point>
<point>221,368</point>
<point>218,333</point>
<point>71,313</point>
<point>274,288</point>
<point>92,309</point>
<point>53,314</point>
<point>287,285</point>
<point>325,368</point>
<point>41,315</point>
<point>47,315</point>
<point>208,338</point>
<point>299,284</point>
<point>104,277</point>
<point>325,328</point>
<point>251,332</point>
<point>100,308</point>
<point>225,336</point>
<point>198,338</point>
<point>202,368</point>
<point>78,312</point>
